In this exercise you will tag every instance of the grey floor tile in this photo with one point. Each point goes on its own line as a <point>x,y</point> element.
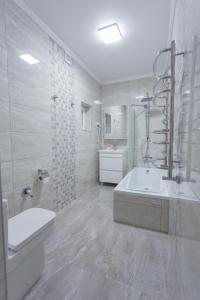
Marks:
<point>62,285</point>
<point>98,287</point>
<point>88,256</point>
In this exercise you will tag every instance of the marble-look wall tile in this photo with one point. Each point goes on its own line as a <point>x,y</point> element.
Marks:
<point>36,96</point>
<point>6,178</point>
<point>4,85</point>
<point>5,146</point>
<point>26,124</point>
<point>25,108</point>
<point>43,196</point>
<point>87,142</point>
<point>24,171</point>
<point>28,119</point>
<point>4,116</point>
<point>3,57</point>
<point>4,143</point>
<point>27,145</point>
<point>185,214</point>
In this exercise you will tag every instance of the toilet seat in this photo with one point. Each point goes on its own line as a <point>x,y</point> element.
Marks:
<point>26,226</point>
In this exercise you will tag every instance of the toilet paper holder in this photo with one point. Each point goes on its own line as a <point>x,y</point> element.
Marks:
<point>42,174</point>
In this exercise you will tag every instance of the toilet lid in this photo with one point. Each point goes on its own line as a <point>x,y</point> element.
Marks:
<point>25,226</point>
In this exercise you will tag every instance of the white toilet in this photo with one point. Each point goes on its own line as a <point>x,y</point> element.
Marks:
<point>24,241</point>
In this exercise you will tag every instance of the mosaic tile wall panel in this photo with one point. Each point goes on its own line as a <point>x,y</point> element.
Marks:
<point>63,125</point>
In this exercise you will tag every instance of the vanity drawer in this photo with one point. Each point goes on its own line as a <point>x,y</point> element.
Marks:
<point>112,163</point>
<point>110,176</point>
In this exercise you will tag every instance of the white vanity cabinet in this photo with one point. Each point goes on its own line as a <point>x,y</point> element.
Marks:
<point>112,165</point>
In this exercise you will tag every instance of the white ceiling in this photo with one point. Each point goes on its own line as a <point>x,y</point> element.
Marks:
<point>144,25</point>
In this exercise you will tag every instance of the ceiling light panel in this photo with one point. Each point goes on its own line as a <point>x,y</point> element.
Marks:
<point>110,34</point>
<point>29,59</point>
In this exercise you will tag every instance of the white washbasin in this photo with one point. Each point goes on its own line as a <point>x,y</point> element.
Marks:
<point>112,151</point>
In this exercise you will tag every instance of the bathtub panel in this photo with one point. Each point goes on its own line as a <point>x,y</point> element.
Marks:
<point>145,212</point>
<point>137,215</point>
<point>164,220</point>
<point>165,203</point>
<point>138,200</point>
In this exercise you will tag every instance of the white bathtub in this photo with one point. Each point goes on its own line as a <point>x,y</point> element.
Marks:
<point>148,182</point>
<point>142,198</point>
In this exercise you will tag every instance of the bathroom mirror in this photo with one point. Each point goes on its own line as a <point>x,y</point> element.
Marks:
<point>115,122</point>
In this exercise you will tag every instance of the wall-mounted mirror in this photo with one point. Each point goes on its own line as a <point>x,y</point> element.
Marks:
<point>115,122</point>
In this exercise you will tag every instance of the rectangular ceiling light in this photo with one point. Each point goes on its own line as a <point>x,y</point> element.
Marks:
<point>29,59</point>
<point>110,34</point>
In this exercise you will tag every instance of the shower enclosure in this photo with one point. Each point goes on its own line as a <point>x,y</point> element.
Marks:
<point>153,147</point>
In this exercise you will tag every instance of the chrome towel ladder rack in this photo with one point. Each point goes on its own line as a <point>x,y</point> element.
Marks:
<point>167,93</point>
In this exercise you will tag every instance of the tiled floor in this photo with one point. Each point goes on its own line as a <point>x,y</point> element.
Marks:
<point>89,257</point>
